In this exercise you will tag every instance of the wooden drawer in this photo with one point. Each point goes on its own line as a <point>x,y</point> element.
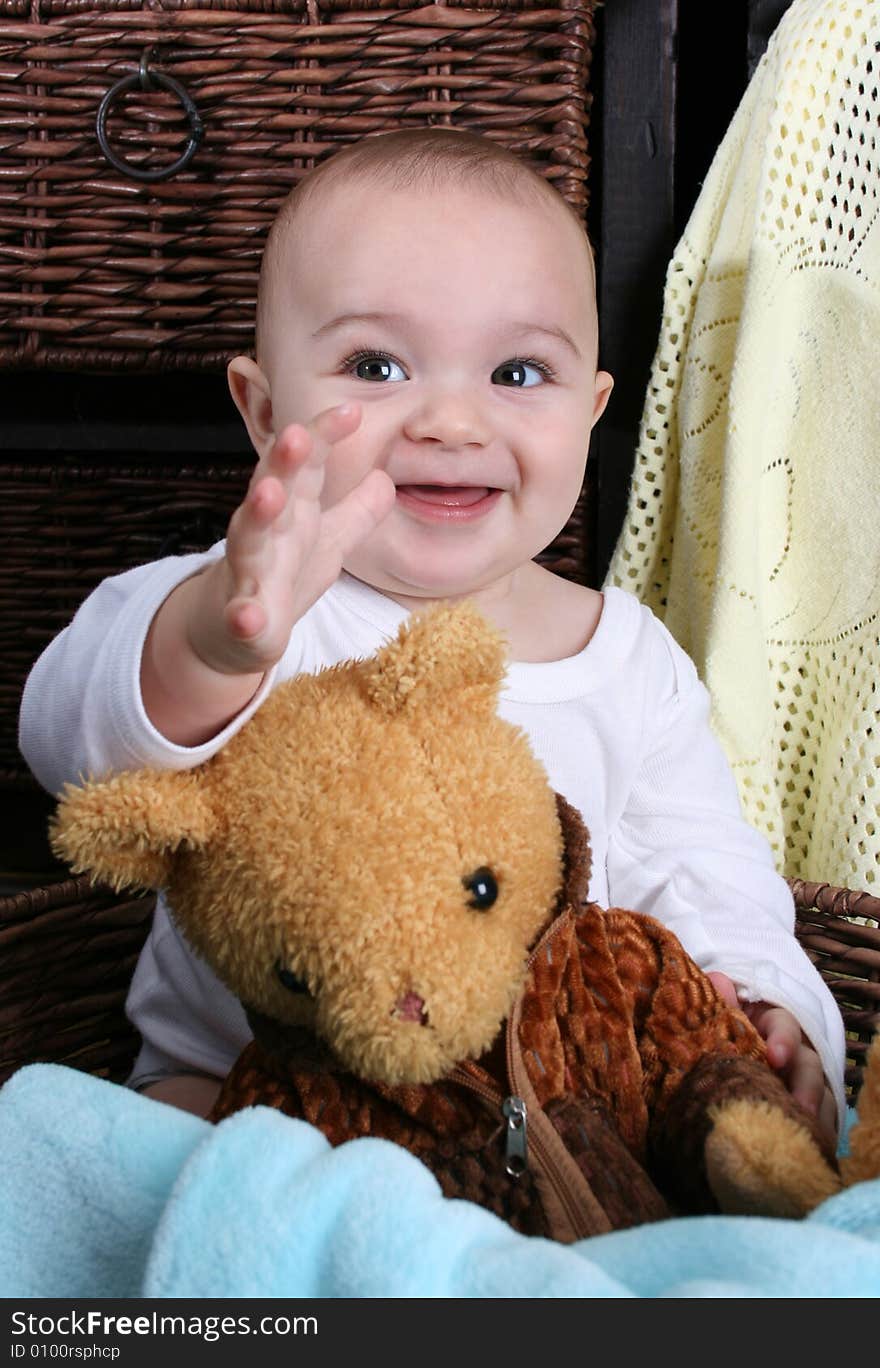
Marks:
<point>66,526</point>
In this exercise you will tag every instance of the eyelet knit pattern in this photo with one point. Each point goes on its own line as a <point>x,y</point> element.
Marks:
<point>753,526</point>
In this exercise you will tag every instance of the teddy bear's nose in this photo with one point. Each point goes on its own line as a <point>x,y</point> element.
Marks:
<point>411,1008</point>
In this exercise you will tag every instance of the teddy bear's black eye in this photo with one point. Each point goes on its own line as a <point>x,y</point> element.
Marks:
<point>289,980</point>
<point>482,887</point>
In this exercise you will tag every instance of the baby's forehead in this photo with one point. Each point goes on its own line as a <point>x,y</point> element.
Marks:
<point>305,219</point>
<point>331,222</point>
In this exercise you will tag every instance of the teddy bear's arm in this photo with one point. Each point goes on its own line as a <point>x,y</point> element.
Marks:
<point>722,1126</point>
<point>678,1017</point>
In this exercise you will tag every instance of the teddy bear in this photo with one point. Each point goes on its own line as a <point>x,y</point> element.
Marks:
<point>377,866</point>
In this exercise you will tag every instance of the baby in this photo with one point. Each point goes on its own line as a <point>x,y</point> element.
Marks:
<point>421,403</point>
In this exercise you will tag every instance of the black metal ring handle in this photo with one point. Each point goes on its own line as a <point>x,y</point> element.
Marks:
<point>148,78</point>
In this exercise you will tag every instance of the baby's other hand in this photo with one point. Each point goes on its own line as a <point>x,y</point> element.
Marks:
<point>789,1052</point>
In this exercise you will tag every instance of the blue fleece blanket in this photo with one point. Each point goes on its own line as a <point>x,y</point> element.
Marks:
<point>104,1193</point>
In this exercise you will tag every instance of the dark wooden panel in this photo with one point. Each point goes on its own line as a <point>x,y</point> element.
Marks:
<point>671,75</point>
<point>764,15</point>
<point>636,232</point>
<point>707,92</point>
<point>44,411</point>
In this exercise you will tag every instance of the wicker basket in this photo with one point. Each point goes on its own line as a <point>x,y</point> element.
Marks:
<point>100,270</point>
<point>840,930</point>
<point>67,953</point>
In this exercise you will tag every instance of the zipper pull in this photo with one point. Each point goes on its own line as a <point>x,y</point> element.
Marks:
<point>516,1153</point>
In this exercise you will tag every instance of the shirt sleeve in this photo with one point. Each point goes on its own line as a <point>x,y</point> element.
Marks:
<point>82,714</point>
<point>188,1021</point>
<point>683,852</point>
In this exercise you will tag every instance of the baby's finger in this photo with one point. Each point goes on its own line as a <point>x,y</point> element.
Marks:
<point>246,618</point>
<point>263,502</point>
<point>724,987</point>
<point>828,1113</point>
<point>296,457</point>
<point>353,518</point>
<point>782,1034</point>
<point>335,424</point>
<point>290,453</point>
<point>806,1080</point>
<point>246,534</point>
<point>309,443</point>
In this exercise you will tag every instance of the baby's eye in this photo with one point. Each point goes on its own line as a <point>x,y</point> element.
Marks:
<point>374,366</point>
<point>521,374</point>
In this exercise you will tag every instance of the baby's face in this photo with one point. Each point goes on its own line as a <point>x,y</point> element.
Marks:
<point>465,328</point>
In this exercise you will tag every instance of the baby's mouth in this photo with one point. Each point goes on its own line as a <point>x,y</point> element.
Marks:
<point>445,496</point>
<point>447,505</point>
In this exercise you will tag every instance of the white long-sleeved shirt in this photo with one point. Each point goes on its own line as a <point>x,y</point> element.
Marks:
<point>621,728</point>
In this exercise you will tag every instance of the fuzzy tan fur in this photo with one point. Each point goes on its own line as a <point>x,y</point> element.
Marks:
<point>757,1159</point>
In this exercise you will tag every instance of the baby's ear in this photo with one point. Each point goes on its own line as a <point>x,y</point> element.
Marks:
<point>441,652</point>
<point>126,829</point>
<point>253,399</point>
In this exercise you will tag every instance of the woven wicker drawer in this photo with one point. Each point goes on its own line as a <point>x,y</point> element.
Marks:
<point>98,269</point>
<point>65,527</point>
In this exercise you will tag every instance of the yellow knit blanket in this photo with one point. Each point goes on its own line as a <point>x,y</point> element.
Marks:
<point>753,526</point>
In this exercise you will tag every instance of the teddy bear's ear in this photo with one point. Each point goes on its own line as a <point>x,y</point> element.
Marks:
<point>124,830</point>
<point>440,652</point>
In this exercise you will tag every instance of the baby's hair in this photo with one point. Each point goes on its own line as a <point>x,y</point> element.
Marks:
<point>431,157</point>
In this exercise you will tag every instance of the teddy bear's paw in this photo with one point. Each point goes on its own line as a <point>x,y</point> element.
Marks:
<point>762,1162</point>
<point>863,1161</point>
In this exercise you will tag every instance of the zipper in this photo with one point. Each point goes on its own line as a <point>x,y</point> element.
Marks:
<point>526,1125</point>
<point>516,1144</point>
<point>513,1109</point>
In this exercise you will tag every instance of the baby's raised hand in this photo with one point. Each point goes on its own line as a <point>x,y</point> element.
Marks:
<point>218,632</point>
<point>283,550</point>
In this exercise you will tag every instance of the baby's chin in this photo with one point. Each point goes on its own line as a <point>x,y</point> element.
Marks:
<point>414,595</point>
<point>427,578</point>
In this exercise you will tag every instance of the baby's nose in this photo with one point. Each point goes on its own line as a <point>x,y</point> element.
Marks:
<point>451,417</point>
